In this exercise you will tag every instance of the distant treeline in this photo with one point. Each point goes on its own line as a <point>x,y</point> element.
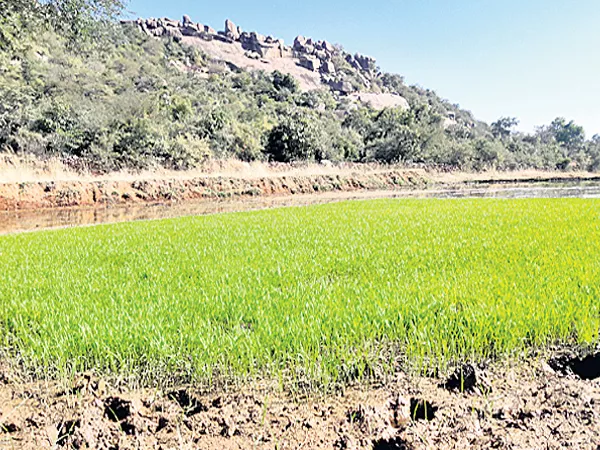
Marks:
<point>76,85</point>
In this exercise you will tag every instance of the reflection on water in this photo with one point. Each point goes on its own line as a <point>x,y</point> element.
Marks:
<point>19,221</point>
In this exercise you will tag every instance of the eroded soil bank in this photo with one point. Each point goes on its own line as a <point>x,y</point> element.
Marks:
<point>128,191</point>
<point>60,194</point>
<point>43,204</point>
<point>537,404</point>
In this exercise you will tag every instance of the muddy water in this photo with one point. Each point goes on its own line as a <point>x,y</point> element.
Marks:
<point>22,221</point>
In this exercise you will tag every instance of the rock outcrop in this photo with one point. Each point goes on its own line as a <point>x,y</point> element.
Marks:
<point>342,72</point>
<point>265,47</point>
<point>231,31</point>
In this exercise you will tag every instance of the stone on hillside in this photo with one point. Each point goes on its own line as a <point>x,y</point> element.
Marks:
<point>174,33</point>
<point>158,32</point>
<point>258,37</point>
<point>364,62</point>
<point>187,21</point>
<point>345,87</point>
<point>310,63</point>
<point>382,100</point>
<point>321,54</point>
<point>327,67</point>
<point>192,29</point>
<point>328,47</point>
<point>252,55</point>
<point>166,22</point>
<point>309,49</point>
<point>299,42</point>
<point>256,43</point>
<point>231,31</point>
<point>209,30</point>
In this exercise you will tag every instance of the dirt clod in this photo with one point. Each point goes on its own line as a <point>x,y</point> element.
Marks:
<point>8,428</point>
<point>163,423</point>
<point>587,368</point>
<point>65,430</point>
<point>128,428</point>
<point>117,409</point>
<point>466,379</point>
<point>191,405</point>
<point>422,409</point>
<point>390,444</point>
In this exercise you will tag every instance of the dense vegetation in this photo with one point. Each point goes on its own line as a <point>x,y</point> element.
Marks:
<point>324,293</point>
<point>75,85</point>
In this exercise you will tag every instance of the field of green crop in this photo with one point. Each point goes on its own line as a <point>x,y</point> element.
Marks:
<point>322,293</point>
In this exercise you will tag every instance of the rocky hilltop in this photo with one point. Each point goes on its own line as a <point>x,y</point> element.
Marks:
<point>314,63</point>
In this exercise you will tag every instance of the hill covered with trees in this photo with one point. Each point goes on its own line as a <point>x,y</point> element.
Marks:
<point>77,84</point>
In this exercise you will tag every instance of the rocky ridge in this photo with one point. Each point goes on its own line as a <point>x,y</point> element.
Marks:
<point>342,72</point>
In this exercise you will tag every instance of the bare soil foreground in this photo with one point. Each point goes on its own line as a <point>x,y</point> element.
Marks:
<point>541,404</point>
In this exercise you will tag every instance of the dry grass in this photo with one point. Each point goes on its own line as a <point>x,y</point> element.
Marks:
<point>21,169</point>
<point>28,168</point>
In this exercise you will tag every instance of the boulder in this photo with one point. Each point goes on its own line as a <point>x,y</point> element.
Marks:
<point>364,62</point>
<point>231,31</point>
<point>191,30</point>
<point>252,55</point>
<point>258,37</point>
<point>381,101</point>
<point>341,86</point>
<point>299,43</point>
<point>166,22</point>
<point>272,50</point>
<point>158,32</point>
<point>187,21</point>
<point>310,63</point>
<point>209,30</point>
<point>321,54</point>
<point>329,48</point>
<point>174,33</point>
<point>256,43</point>
<point>327,67</point>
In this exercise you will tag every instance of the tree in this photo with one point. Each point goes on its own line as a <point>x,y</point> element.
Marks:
<point>287,81</point>
<point>298,137</point>
<point>566,133</point>
<point>401,144</point>
<point>78,20</point>
<point>504,126</point>
<point>594,151</point>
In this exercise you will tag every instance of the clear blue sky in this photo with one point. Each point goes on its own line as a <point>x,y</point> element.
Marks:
<point>533,59</point>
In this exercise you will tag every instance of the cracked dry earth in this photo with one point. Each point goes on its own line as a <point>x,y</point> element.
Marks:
<point>532,405</point>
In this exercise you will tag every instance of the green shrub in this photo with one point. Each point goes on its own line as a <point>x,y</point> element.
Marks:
<point>298,137</point>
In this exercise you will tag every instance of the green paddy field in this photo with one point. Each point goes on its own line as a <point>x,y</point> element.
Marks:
<point>323,294</point>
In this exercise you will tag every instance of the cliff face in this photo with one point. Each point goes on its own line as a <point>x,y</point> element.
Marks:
<point>314,63</point>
